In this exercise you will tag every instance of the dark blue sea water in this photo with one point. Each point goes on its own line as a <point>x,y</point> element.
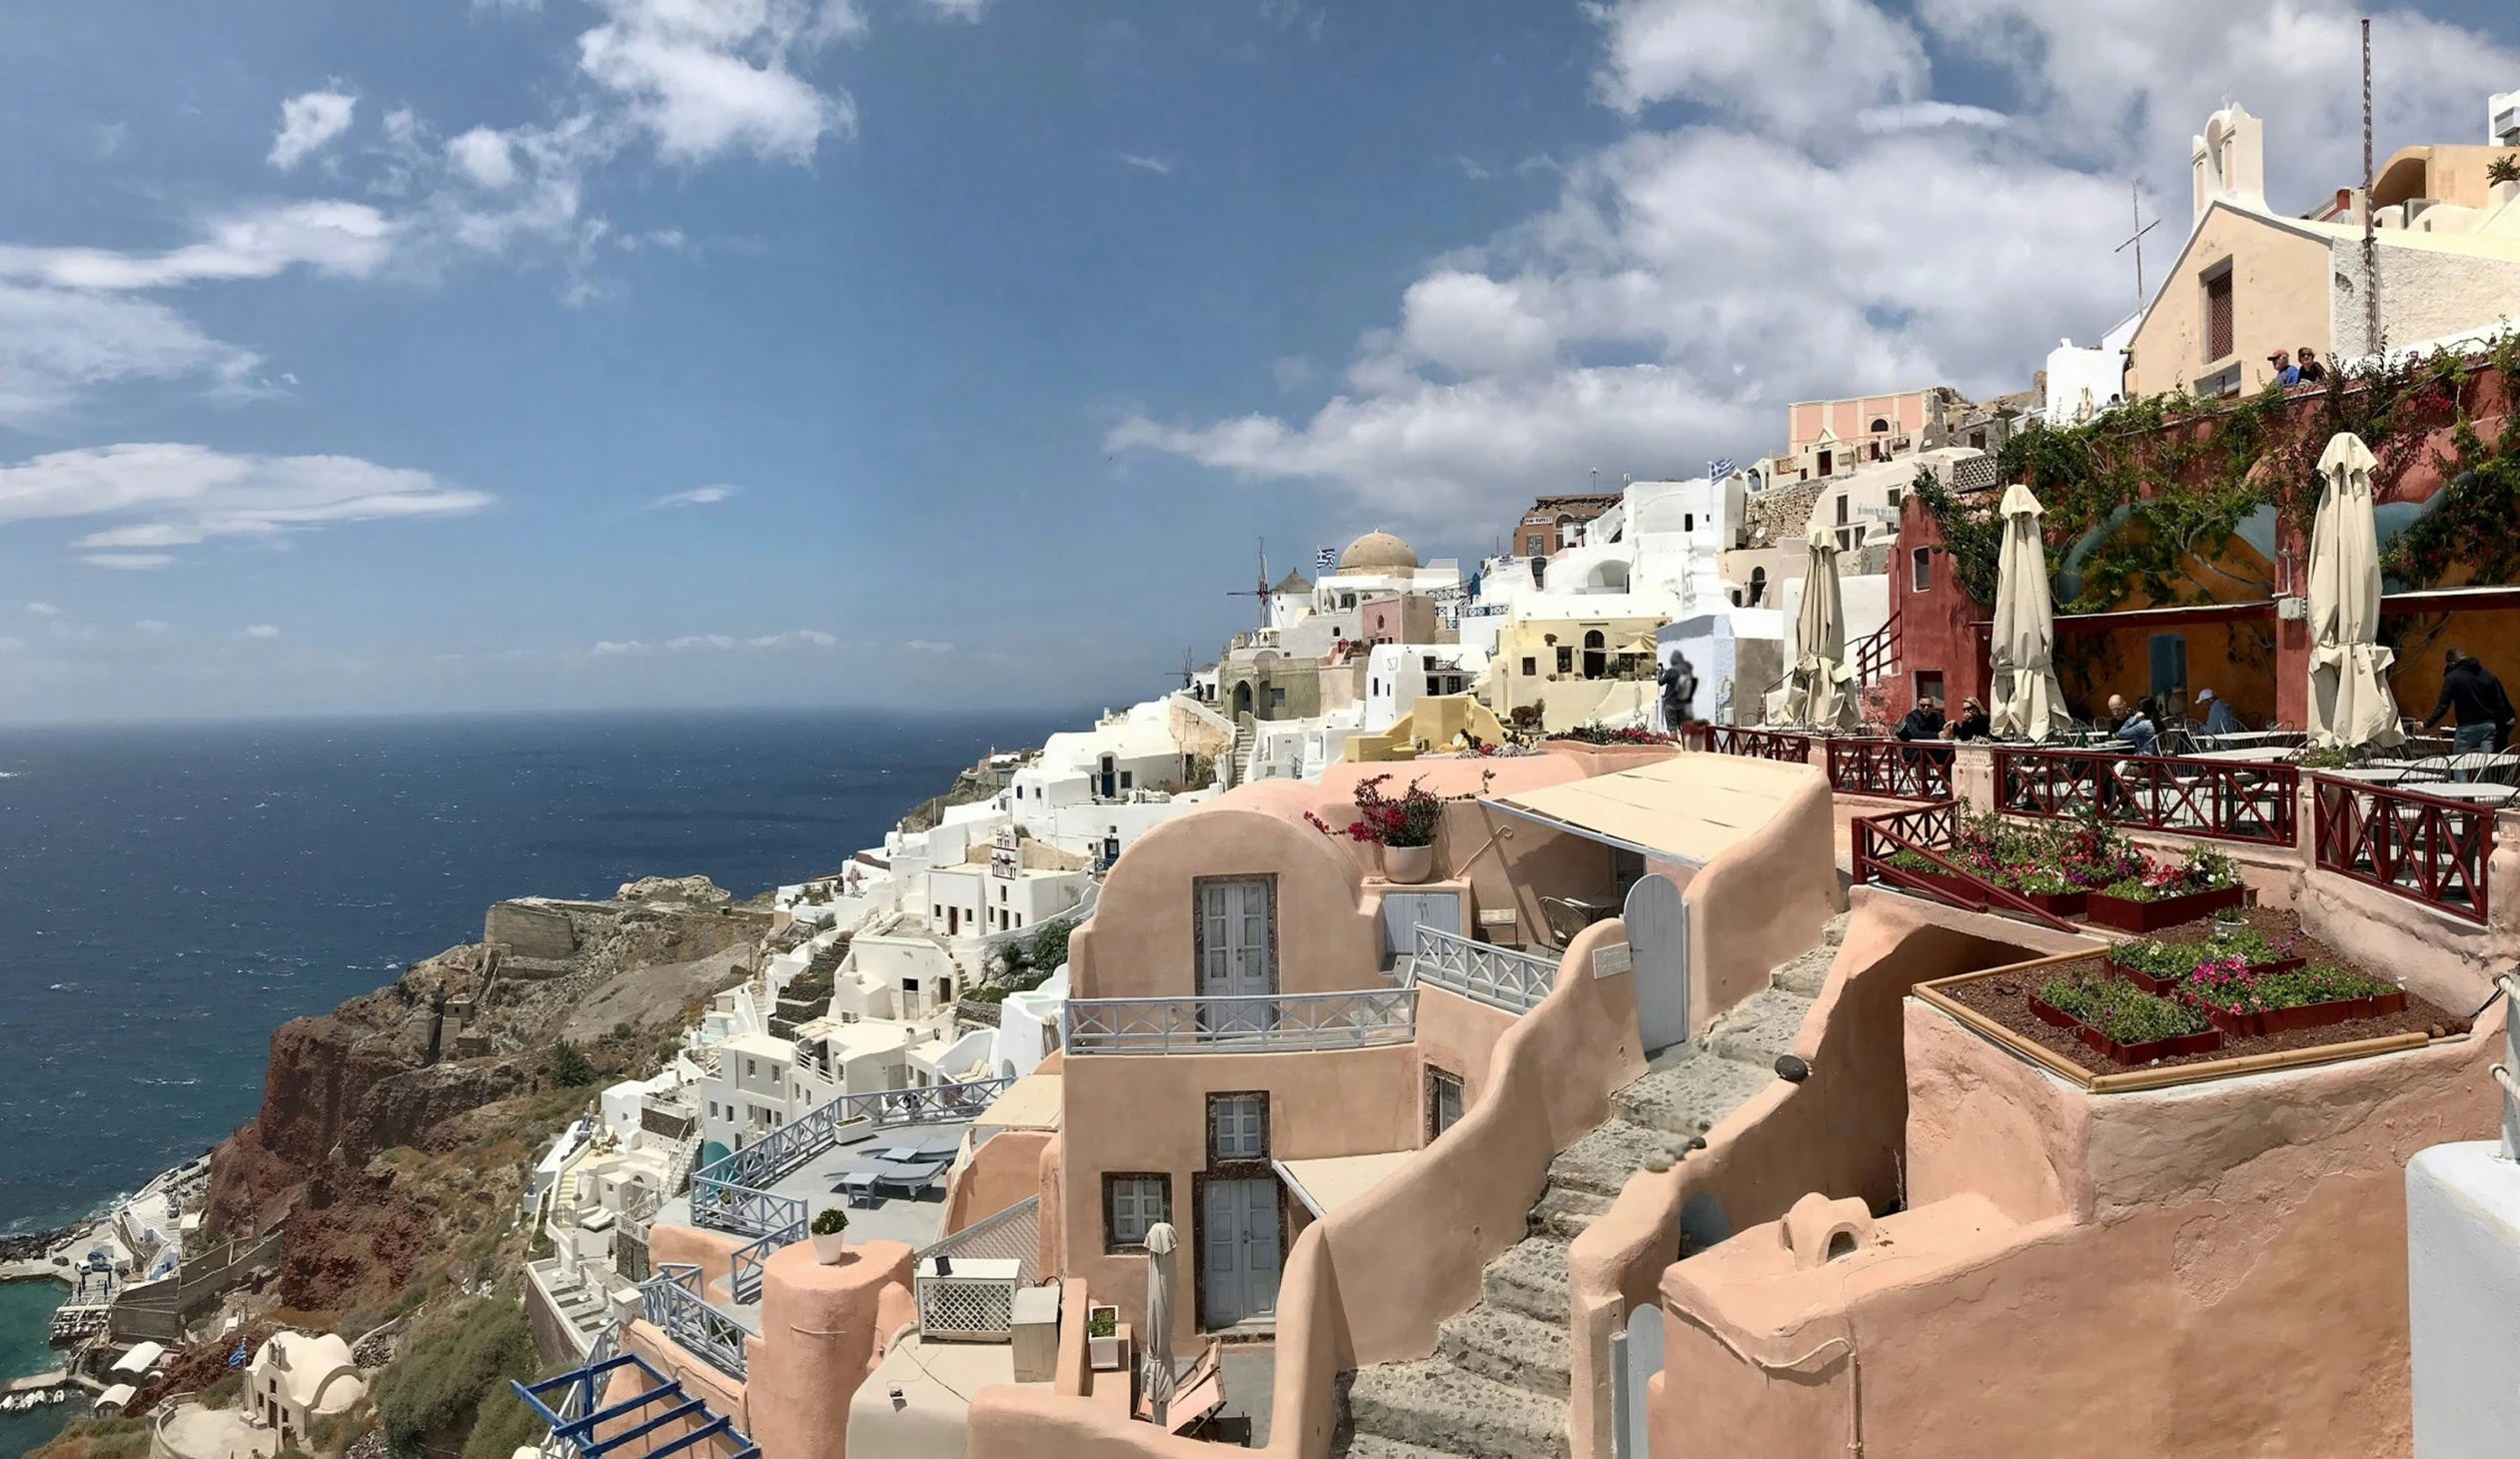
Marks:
<point>171,893</point>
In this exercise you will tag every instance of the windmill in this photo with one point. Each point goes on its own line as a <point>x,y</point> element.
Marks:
<point>1260,588</point>
<point>1189,669</point>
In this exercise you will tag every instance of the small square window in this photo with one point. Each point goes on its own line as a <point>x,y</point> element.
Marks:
<point>1128,780</point>
<point>1566,659</point>
<point>1131,1206</point>
<point>1920,570</point>
<point>1530,666</point>
<point>1277,699</point>
<point>1434,683</point>
<point>1237,1127</point>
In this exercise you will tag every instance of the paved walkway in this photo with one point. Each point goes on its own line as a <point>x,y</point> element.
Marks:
<point>195,1432</point>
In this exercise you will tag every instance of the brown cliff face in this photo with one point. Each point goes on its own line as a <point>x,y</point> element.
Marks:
<point>406,1068</point>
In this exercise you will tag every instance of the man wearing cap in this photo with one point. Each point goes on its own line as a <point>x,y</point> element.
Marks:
<point>2219,716</point>
<point>2285,375</point>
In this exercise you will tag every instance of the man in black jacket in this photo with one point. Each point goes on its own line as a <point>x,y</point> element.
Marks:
<point>2471,692</point>
<point>1924,721</point>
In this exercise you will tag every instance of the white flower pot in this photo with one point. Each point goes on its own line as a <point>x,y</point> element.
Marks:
<point>829,1249</point>
<point>1103,1353</point>
<point>1408,865</point>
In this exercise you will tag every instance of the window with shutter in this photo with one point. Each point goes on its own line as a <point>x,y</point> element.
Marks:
<point>1132,1204</point>
<point>1238,1128</point>
<point>2218,315</point>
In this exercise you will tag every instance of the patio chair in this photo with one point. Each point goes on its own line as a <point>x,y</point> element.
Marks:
<point>1566,919</point>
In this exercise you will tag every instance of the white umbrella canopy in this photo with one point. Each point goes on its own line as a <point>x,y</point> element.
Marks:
<point>1159,1282</point>
<point>2350,702</point>
<point>2024,655</point>
<point>1820,690</point>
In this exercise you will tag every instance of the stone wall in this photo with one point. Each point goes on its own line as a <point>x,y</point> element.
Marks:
<point>530,930</point>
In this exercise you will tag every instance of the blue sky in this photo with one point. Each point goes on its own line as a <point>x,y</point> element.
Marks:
<point>937,353</point>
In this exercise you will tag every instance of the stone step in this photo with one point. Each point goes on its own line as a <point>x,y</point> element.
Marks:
<point>1834,931</point>
<point>1434,1405</point>
<point>1564,1212</point>
<point>1529,1279</point>
<point>1602,1159</point>
<point>1807,973</point>
<point>1350,1445</point>
<point>1507,1346</point>
<point>1690,1095</point>
<point>1758,1029</point>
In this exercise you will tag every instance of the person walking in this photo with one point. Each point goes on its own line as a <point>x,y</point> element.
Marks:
<point>1678,682</point>
<point>2474,697</point>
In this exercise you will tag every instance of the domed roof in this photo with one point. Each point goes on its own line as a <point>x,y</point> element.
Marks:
<point>1378,551</point>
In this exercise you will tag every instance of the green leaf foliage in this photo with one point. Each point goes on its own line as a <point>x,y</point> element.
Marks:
<point>430,1396</point>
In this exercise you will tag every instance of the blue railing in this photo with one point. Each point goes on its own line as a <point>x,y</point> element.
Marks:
<point>732,1195</point>
<point>672,1302</point>
<point>678,1422</point>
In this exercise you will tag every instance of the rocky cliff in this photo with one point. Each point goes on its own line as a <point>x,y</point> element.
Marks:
<point>399,1125</point>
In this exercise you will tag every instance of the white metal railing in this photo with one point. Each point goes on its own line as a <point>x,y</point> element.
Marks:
<point>1501,978</point>
<point>1263,1023</point>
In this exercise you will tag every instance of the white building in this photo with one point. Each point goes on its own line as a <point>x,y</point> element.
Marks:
<point>295,1379</point>
<point>759,1085</point>
<point>1398,675</point>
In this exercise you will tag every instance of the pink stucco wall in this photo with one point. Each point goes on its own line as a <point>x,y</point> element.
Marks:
<point>824,1329</point>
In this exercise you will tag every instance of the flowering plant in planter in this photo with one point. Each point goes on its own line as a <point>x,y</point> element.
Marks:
<point>2228,985</point>
<point>1410,818</point>
<point>1627,735</point>
<point>2203,869</point>
<point>2121,1011</point>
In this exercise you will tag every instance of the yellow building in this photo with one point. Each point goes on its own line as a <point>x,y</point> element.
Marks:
<point>1580,671</point>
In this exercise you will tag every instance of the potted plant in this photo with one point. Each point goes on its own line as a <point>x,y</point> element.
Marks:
<point>1102,1339</point>
<point>2166,896</point>
<point>829,1241</point>
<point>1404,826</point>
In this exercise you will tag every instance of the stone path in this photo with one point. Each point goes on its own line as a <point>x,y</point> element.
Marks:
<point>1496,1387</point>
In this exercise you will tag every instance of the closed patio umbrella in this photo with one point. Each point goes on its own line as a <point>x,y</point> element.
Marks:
<point>1159,1278</point>
<point>1819,693</point>
<point>2024,654</point>
<point>2350,702</point>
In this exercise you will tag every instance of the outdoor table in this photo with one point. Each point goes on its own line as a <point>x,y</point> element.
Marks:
<point>2383,774</point>
<point>2472,790</point>
<point>2263,753</point>
<point>858,1186</point>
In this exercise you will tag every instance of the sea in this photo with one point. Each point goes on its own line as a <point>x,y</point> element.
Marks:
<point>171,893</point>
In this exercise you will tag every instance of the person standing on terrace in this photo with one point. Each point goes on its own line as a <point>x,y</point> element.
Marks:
<point>2471,692</point>
<point>2311,370</point>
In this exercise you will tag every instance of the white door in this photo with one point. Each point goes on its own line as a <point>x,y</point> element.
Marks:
<point>1240,1265</point>
<point>1404,911</point>
<point>1658,943</point>
<point>1237,958</point>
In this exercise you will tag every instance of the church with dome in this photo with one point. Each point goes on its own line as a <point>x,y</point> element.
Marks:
<point>1277,671</point>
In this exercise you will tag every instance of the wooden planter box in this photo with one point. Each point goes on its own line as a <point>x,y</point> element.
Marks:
<point>2129,915</point>
<point>2306,1015</point>
<point>2057,904</point>
<point>2166,987</point>
<point>2069,904</point>
<point>2203,1041</point>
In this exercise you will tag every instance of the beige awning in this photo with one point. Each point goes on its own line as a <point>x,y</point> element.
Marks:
<point>1689,809</point>
<point>1327,1183</point>
<point>1031,1102</point>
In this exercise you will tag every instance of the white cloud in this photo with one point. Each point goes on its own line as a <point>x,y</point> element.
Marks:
<point>707,80</point>
<point>611,648</point>
<point>957,9</point>
<point>1160,166</point>
<point>924,645</point>
<point>150,625</point>
<point>12,646</point>
<point>58,345</point>
<point>1751,248</point>
<point>43,610</point>
<point>814,636</point>
<point>701,640</point>
<point>309,122</point>
<point>697,496</point>
<point>261,630</point>
<point>165,496</point>
<point>482,155</point>
<point>347,239</point>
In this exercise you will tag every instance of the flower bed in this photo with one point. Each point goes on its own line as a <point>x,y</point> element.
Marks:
<point>2165,895</point>
<point>1627,735</point>
<point>2238,999</point>
<point>2122,1021</point>
<point>2162,966</point>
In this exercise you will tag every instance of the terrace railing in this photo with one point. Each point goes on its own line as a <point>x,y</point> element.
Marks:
<point>733,1195</point>
<point>1891,769</point>
<point>2426,848</point>
<point>2223,800</point>
<point>1758,743</point>
<point>1501,978</point>
<point>1260,1023</point>
<point>672,1302</point>
<point>1927,833</point>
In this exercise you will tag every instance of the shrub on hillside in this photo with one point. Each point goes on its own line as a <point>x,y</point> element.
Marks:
<point>448,1375</point>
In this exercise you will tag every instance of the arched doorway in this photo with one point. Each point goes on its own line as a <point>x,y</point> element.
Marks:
<point>1242,697</point>
<point>1596,662</point>
<point>1758,585</point>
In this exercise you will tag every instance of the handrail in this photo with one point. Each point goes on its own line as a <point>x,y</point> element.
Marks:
<point>1743,739</point>
<point>672,1301</point>
<point>1892,770</point>
<point>1501,978</point>
<point>2430,850</point>
<point>1878,652</point>
<point>1871,864</point>
<point>1257,1023</point>
<point>2223,800</point>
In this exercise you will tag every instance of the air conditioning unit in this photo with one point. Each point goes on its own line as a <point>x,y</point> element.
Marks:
<point>2292,608</point>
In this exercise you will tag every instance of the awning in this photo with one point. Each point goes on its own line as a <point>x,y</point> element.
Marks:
<point>118,1397</point>
<point>1689,809</point>
<point>141,1358</point>
<point>1031,1102</point>
<point>1326,1184</point>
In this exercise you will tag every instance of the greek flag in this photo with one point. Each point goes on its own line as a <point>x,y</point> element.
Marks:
<point>1720,468</point>
<point>1325,559</point>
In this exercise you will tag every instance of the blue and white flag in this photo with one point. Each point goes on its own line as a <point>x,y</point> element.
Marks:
<point>1720,468</point>
<point>1325,559</point>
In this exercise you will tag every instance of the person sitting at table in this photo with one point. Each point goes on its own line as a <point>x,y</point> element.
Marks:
<point>2219,719</point>
<point>2470,692</point>
<point>2136,729</point>
<point>1924,721</point>
<point>1972,723</point>
<point>2110,718</point>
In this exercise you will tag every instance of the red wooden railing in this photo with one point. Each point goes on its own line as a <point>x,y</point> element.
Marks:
<point>2232,800</point>
<point>1758,743</point>
<point>1894,769</point>
<point>2426,848</point>
<point>1876,655</point>
<point>1927,831</point>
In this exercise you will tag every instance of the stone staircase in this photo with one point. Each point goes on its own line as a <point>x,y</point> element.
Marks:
<point>1496,1387</point>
